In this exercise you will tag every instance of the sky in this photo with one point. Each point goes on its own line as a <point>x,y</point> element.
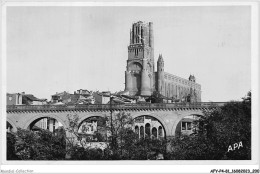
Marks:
<point>55,49</point>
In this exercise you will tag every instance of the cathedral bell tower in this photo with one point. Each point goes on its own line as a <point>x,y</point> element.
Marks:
<point>140,64</point>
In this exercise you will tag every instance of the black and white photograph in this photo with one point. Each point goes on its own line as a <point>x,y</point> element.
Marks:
<point>143,83</point>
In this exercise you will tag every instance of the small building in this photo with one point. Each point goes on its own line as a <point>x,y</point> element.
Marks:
<point>83,92</point>
<point>187,125</point>
<point>81,99</point>
<point>63,97</point>
<point>121,99</point>
<point>80,96</point>
<point>14,99</point>
<point>83,96</point>
<point>132,99</point>
<point>101,97</point>
<point>146,126</point>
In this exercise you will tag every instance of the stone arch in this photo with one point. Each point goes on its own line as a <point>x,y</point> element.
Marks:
<point>89,117</point>
<point>177,121</point>
<point>12,124</point>
<point>135,66</point>
<point>93,125</point>
<point>165,128</point>
<point>36,117</point>
<point>85,117</point>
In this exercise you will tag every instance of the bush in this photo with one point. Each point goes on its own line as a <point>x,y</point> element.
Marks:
<point>40,145</point>
<point>10,147</point>
<point>81,153</point>
<point>218,131</point>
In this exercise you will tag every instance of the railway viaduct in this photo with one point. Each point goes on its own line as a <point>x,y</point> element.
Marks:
<point>169,115</point>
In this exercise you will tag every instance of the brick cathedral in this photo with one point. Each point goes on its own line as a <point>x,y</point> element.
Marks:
<point>141,79</point>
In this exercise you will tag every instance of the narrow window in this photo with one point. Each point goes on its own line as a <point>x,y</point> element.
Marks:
<point>160,131</point>
<point>183,125</point>
<point>142,132</point>
<point>137,130</point>
<point>147,129</point>
<point>154,132</point>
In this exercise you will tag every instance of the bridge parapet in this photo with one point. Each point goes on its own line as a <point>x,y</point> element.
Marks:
<point>107,107</point>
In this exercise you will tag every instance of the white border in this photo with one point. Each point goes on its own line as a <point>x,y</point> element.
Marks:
<point>150,166</point>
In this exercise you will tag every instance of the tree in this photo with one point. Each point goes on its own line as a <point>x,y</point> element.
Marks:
<point>128,145</point>
<point>148,148</point>
<point>120,128</point>
<point>40,145</point>
<point>86,153</point>
<point>122,143</point>
<point>156,97</point>
<point>78,142</point>
<point>218,131</point>
<point>72,131</point>
<point>11,139</point>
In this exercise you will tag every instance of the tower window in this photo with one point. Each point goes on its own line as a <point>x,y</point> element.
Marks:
<point>136,52</point>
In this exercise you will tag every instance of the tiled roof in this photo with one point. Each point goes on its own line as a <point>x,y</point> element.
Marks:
<point>78,98</point>
<point>103,94</point>
<point>128,97</point>
<point>117,101</point>
<point>31,97</point>
<point>123,99</point>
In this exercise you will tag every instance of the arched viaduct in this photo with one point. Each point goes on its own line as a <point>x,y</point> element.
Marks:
<point>169,115</point>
